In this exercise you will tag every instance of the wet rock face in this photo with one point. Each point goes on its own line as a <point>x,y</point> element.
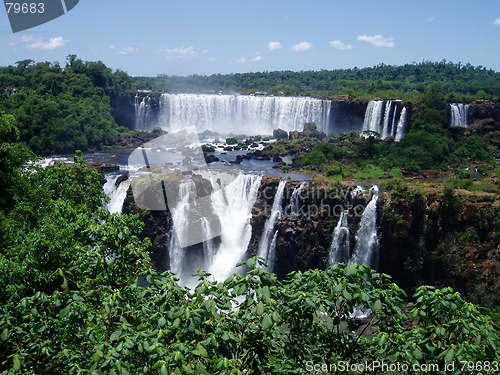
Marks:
<point>423,243</point>
<point>304,239</point>
<point>485,109</point>
<point>157,225</point>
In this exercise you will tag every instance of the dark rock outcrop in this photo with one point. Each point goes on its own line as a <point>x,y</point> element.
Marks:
<point>425,239</point>
<point>157,226</point>
<point>280,134</point>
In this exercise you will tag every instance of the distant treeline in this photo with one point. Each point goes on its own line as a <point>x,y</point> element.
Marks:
<point>465,81</point>
<point>59,109</point>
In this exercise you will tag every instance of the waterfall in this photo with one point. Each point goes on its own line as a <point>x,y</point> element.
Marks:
<point>382,116</point>
<point>401,128</point>
<point>115,194</point>
<point>240,114</point>
<point>267,244</point>
<point>341,244</point>
<point>366,249</point>
<point>356,191</point>
<point>143,114</point>
<point>294,206</point>
<point>459,114</point>
<point>373,116</point>
<point>389,109</point>
<point>233,205</point>
<point>208,245</point>
<point>180,217</point>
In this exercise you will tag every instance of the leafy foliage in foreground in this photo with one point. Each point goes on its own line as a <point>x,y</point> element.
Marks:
<point>251,323</point>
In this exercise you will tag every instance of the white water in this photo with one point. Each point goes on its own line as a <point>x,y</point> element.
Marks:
<point>389,108</point>
<point>233,205</point>
<point>208,245</point>
<point>294,207</point>
<point>459,114</point>
<point>180,218</point>
<point>341,244</point>
<point>382,116</point>
<point>143,113</point>
<point>373,116</point>
<point>366,249</point>
<point>267,244</point>
<point>241,114</point>
<point>401,128</point>
<point>115,194</point>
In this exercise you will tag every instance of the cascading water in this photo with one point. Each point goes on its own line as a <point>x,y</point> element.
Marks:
<point>401,128</point>
<point>389,110</point>
<point>180,217</point>
<point>341,244</point>
<point>366,249</point>
<point>459,114</point>
<point>294,207</point>
<point>373,116</point>
<point>233,205</point>
<point>243,114</point>
<point>115,194</point>
<point>382,116</point>
<point>143,114</point>
<point>267,244</point>
<point>208,245</point>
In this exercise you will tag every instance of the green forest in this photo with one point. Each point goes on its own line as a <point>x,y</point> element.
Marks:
<point>63,109</point>
<point>79,295</point>
<point>459,81</point>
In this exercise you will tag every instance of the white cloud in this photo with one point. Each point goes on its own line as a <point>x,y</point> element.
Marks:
<point>378,40</point>
<point>337,44</point>
<point>241,60</point>
<point>256,58</point>
<point>178,53</point>
<point>52,43</point>
<point>497,21</point>
<point>127,50</point>
<point>26,38</point>
<point>430,19</point>
<point>212,59</point>
<point>273,46</point>
<point>301,47</point>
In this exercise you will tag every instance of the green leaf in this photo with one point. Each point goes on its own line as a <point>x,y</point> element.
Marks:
<point>276,317</point>
<point>201,351</point>
<point>164,370</point>
<point>346,295</point>
<point>5,334</point>
<point>129,343</point>
<point>417,354</point>
<point>449,355</point>
<point>260,308</point>
<point>162,321</point>
<point>115,335</point>
<point>17,363</point>
<point>64,312</point>
<point>377,306</point>
<point>267,322</point>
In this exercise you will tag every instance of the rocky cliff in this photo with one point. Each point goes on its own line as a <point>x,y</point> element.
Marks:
<point>442,239</point>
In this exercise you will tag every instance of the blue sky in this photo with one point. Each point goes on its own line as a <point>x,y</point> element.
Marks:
<point>151,37</point>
